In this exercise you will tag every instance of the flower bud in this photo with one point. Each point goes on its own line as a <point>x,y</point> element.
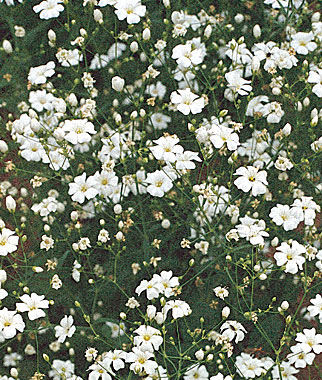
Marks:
<point>165,224</point>
<point>7,47</point>
<point>160,318</point>
<point>199,354</point>
<point>225,312</point>
<point>257,31</point>
<point>256,63</point>
<point>3,146</point>
<point>146,34</point>
<point>134,47</point>
<point>37,269</point>
<point>10,204</point>
<point>314,113</point>
<point>98,16</point>
<point>151,311</point>
<point>166,3</point>
<point>119,236</point>
<point>117,209</point>
<point>287,129</point>
<point>118,83</point>
<point>306,102</point>
<point>314,121</point>
<point>299,106</point>
<point>315,17</point>
<point>3,276</point>
<point>208,31</point>
<point>285,305</point>
<point>239,18</point>
<point>72,100</point>
<point>51,35</point>
<point>14,372</point>
<point>276,91</point>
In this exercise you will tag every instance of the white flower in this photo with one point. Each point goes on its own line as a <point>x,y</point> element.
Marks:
<point>179,308</point>
<point>39,74</point>
<point>203,246</point>
<point>131,10</point>
<point>75,271</point>
<point>253,230</point>
<point>196,372</point>
<point>221,135</point>
<point>291,255</point>
<point>34,305</point>
<point>220,376</point>
<point>308,208</point>
<point>49,9</point>
<point>184,160</point>
<point>66,329</point>
<point>274,112</point>
<point>251,179</point>
<point>315,309</point>
<point>283,163</point>
<point>221,292</point>
<point>141,361</point>
<point>237,84</point>
<point>47,242</point>
<point>316,77</point>
<point>302,43</point>
<point>61,369</point>
<point>69,57</point>
<point>159,183</point>
<point>78,131</point>
<point>82,188</point>
<point>166,148</point>
<point>8,241</point>
<point>10,322</point>
<point>151,287</point>
<point>187,101</point>
<point>117,329</point>
<point>101,370</point>
<point>160,121</point>
<point>299,358</point>
<point>116,358</point>
<point>118,83</point>
<point>32,150</point>
<point>186,55</point>
<point>286,216</point>
<point>309,341</point>
<point>248,366</point>
<point>287,370</point>
<point>41,100</point>
<point>158,374</point>
<point>165,282</point>
<point>233,329</point>
<point>157,90</point>
<point>149,338</point>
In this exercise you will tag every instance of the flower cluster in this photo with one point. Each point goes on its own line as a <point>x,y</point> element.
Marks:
<point>160,189</point>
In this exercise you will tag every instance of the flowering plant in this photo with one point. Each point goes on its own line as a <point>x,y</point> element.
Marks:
<point>160,189</point>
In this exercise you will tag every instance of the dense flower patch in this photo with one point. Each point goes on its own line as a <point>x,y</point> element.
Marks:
<point>160,183</point>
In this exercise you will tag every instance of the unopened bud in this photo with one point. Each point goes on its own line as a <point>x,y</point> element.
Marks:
<point>7,47</point>
<point>98,16</point>
<point>225,312</point>
<point>10,204</point>
<point>118,83</point>
<point>146,34</point>
<point>257,31</point>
